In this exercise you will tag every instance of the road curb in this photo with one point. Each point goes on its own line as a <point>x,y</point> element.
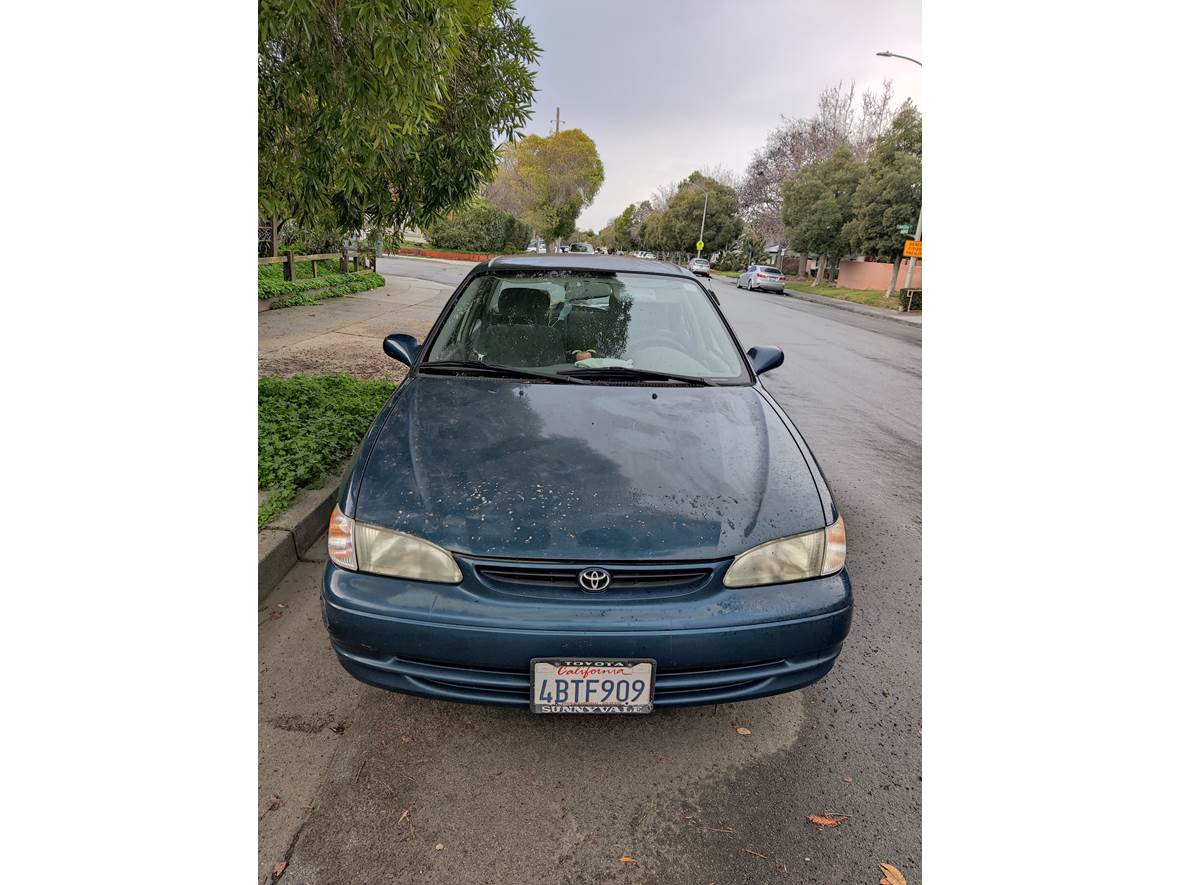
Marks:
<point>862,309</point>
<point>287,539</point>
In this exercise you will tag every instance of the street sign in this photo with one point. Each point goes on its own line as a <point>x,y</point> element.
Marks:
<point>913,249</point>
<point>700,245</point>
<point>903,228</point>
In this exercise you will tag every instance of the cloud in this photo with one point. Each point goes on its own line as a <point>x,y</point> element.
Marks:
<point>668,86</point>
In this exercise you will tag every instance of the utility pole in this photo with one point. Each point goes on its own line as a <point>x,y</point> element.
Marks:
<point>701,238</point>
<point>557,122</point>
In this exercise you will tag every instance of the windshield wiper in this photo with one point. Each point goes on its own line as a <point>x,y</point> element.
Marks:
<point>609,372</point>
<point>493,369</point>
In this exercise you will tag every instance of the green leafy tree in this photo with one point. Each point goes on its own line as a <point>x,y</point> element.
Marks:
<point>383,112</point>
<point>547,182</point>
<point>680,223</point>
<point>479,227</point>
<point>818,204</point>
<point>617,235</point>
<point>890,194</point>
<point>653,233</point>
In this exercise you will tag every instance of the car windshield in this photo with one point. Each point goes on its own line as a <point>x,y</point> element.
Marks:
<point>558,321</point>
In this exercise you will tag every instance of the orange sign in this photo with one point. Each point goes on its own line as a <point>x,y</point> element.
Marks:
<point>913,249</point>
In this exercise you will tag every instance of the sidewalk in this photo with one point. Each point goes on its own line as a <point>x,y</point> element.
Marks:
<point>911,318</point>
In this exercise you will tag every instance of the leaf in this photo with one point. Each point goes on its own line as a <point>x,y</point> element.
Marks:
<point>282,865</point>
<point>827,820</point>
<point>273,803</point>
<point>741,729</point>
<point>847,780</point>
<point>626,859</point>
<point>438,846</point>
<point>893,875</point>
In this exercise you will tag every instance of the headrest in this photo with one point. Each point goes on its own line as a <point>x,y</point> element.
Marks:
<point>530,304</point>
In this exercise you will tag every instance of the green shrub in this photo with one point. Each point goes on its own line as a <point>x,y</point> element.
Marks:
<point>479,227</point>
<point>308,426</point>
<point>315,291</point>
<point>310,240</point>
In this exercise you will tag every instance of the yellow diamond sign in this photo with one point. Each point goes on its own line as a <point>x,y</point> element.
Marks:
<point>700,245</point>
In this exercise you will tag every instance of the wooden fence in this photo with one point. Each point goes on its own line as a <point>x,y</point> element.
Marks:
<point>289,260</point>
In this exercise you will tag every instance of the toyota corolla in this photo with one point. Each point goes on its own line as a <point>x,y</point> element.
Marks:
<point>582,499</point>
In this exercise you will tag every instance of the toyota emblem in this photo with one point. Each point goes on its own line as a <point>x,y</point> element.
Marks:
<point>594,580</point>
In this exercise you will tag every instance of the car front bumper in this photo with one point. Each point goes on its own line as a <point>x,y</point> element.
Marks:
<point>473,642</point>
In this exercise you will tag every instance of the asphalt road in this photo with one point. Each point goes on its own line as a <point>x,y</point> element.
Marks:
<point>505,796</point>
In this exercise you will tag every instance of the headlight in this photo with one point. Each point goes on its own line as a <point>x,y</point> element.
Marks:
<point>369,548</point>
<point>790,559</point>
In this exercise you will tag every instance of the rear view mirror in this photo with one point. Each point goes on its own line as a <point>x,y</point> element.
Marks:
<point>764,358</point>
<point>403,348</point>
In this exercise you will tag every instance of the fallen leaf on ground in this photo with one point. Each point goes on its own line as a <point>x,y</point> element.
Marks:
<point>282,865</point>
<point>280,605</point>
<point>847,780</point>
<point>273,803</point>
<point>438,846</point>
<point>893,875</point>
<point>755,853</point>
<point>885,692</point>
<point>406,738</point>
<point>626,859</point>
<point>741,729</point>
<point>827,820</point>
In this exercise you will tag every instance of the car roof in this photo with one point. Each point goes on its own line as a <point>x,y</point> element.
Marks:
<point>580,261</point>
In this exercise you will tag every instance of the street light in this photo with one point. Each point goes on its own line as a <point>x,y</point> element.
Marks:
<point>888,54</point>
<point>909,273</point>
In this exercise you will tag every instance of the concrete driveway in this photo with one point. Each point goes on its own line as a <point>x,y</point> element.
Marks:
<point>345,334</point>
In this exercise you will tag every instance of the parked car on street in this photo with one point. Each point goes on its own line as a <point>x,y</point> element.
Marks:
<point>584,248</point>
<point>582,499</point>
<point>536,246</point>
<point>761,276</point>
<point>699,266</point>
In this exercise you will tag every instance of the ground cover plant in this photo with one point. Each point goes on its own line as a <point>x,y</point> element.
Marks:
<point>308,426</point>
<point>306,289</point>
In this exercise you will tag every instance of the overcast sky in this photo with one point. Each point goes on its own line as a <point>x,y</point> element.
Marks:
<point>668,86</point>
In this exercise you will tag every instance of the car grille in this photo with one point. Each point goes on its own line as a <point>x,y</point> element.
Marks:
<point>622,577</point>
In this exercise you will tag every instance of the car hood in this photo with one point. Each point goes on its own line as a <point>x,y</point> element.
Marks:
<point>501,468</point>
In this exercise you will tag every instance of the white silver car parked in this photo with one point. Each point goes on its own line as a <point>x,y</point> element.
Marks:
<point>761,277</point>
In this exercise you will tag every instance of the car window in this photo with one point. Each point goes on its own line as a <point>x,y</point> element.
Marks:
<point>553,319</point>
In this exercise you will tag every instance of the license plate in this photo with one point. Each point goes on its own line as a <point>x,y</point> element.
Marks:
<point>604,686</point>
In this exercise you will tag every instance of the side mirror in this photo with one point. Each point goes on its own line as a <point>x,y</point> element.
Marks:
<point>764,358</point>
<point>403,348</point>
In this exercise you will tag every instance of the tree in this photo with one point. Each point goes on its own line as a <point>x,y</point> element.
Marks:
<point>547,182</point>
<point>383,112</point>
<point>890,194</point>
<point>801,141</point>
<point>680,224</point>
<point>817,205</point>
<point>479,227</point>
<point>617,235</point>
